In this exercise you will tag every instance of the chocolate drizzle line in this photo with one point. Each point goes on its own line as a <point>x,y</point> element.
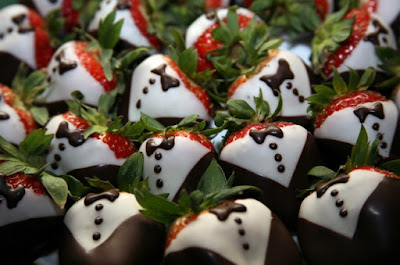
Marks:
<point>167,81</point>
<point>166,144</point>
<point>260,135</point>
<point>224,210</point>
<point>65,65</point>
<point>376,110</point>
<point>4,116</point>
<point>110,195</point>
<point>123,4</point>
<point>321,189</point>
<point>74,138</point>
<point>18,19</point>
<point>12,196</point>
<point>374,37</point>
<point>283,73</point>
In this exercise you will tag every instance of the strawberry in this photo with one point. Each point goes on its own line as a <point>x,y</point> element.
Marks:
<point>359,209</point>
<point>282,72</point>
<point>199,34</point>
<point>211,226</point>
<point>31,200</point>
<point>175,160</point>
<point>101,222</point>
<point>135,26</point>
<point>70,14</point>
<point>22,39</point>
<point>70,146</point>
<point>388,10</point>
<point>236,232</point>
<point>342,110</point>
<point>273,156</point>
<point>15,121</point>
<point>345,37</point>
<point>324,7</point>
<point>159,83</point>
<point>75,68</point>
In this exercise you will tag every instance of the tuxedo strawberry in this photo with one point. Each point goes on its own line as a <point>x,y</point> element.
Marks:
<point>282,71</point>
<point>31,201</point>
<point>107,228</point>
<point>134,31</point>
<point>73,67</point>
<point>75,139</point>
<point>22,39</point>
<point>236,232</point>
<point>353,210</point>
<point>211,226</point>
<point>273,156</point>
<point>15,121</point>
<point>344,39</point>
<point>175,160</point>
<point>342,111</point>
<point>213,4</point>
<point>163,91</point>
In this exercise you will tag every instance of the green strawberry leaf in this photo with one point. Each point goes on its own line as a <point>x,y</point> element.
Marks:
<point>75,187</point>
<point>213,179</point>
<point>391,166</point>
<point>40,114</point>
<point>240,109</point>
<point>109,31</point>
<point>322,172</point>
<point>9,149</point>
<point>35,146</point>
<point>129,171</point>
<point>151,124</point>
<point>360,150</point>
<point>12,167</point>
<point>367,79</point>
<point>188,121</point>
<point>339,84</point>
<point>99,184</point>
<point>188,61</point>
<point>56,187</point>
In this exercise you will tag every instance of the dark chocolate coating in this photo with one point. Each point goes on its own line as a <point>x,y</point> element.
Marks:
<point>194,176</point>
<point>281,250</point>
<point>104,172</point>
<point>137,241</point>
<point>8,67</point>
<point>279,199</point>
<point>23,242</point>
<point>375,241</point>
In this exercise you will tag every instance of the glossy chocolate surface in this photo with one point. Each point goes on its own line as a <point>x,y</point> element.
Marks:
<point>103,172</point>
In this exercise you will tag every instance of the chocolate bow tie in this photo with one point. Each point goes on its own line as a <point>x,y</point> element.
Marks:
<point>376,110</point>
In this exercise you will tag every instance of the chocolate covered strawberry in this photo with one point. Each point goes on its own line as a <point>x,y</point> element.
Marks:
<point>31,200</point>
<point>213,4</point>
<point>273,156</point>
<point>161,88</point>
<point>73,67</point>
<point>342,110</point>
<point>211,226</point>
<point>134,31</point>
<point>87,148</point>
<point>344,39</point>
<point>22,39</point>
<point>44,7</point>
<point>175,159</point>
<point>282,72</point>
<point>354,211</point>
<point>107,228</point>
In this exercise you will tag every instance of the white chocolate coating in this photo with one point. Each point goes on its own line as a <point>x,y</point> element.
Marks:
<point>62,85</point>
<point>324,212</point>
<point>93,152</point>
<point>259,158</point>
<point>129,32</point>
<point>291,105</point>
<point>80,219</point>
<point>31,206</point>
<point>344,126</point>
<point>20,45</point>
<point>11,129</point>
<point>175,164</point>
<point>222,237</point>
<point>176,102</point>
<point>46,6</point>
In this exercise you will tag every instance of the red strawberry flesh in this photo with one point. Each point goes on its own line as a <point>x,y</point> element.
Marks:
<point>191,135</point>
<point>29,182</point>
